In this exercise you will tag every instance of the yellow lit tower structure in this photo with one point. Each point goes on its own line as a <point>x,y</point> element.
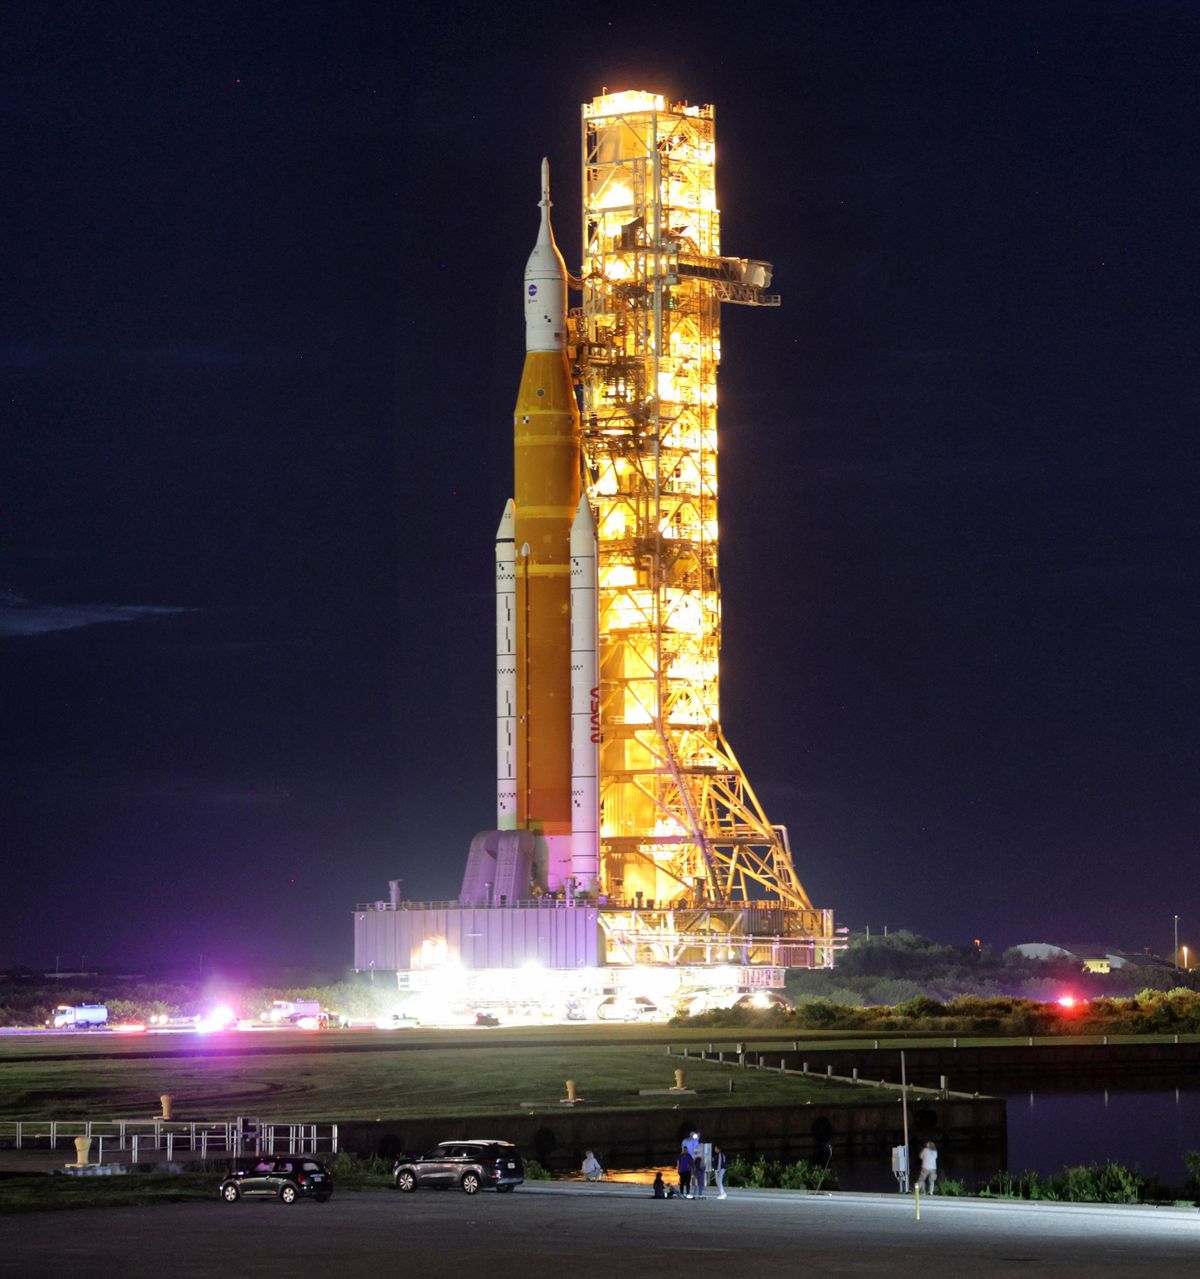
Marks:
<point>693,870</point>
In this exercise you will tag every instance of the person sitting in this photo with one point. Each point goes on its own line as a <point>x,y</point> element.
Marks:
<point>591,1167</point>
<point>660,1189</point>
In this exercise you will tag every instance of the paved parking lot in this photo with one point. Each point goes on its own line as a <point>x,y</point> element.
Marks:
<point>611,1230</point>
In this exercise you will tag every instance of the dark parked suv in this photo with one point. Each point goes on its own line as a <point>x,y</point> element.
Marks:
<point>286,1177</point>
<point>472,1165</point>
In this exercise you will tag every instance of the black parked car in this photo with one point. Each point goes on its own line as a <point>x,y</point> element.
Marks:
<point>286,1177</point>
<point>472,1165</point>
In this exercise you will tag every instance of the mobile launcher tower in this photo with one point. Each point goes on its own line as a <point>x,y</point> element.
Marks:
<point>631,856</point>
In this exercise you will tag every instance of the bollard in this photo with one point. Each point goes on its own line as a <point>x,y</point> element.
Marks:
<point>710,1048</point>
<point>804,1068</point>
<point>731,1083</point>
<point>685,1050</point>
<point>1106,1041</point>
<point>571,1089</point>
<point>795,1045</point>
<point>782,1065</point>
<point>83,1149</point>
<point>1031,1041</point>
<point>877,1043</point>
<point>956,1043</point>
<point>679,1084</point>
<point>165,1100</point>
<point>828,1072</point>
<point>854,1074</point>
<point>943,1084</point>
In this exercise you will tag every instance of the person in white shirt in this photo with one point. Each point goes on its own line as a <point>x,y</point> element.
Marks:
<point>591,1167</point>
<point>928,1178</point>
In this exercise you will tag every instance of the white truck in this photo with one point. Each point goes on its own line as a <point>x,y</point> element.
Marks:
<point>293,1011</point>
<point>80,1016</point>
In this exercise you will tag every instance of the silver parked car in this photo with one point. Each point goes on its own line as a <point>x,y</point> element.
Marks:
<point>470,1165</point>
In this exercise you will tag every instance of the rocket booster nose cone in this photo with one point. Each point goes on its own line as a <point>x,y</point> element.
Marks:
<point>545,283</point>
<point>508,523</point>
<point>583,529</point>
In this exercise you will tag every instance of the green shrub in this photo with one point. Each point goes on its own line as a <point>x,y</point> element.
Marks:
<point>1092,1183</point>
<point>535,1171</point>
<point>951,1187</point>
<point>357,1170</point>
<point>767,1174</point>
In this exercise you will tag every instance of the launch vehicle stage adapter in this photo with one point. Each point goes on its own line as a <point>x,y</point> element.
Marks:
<point>547,697</point>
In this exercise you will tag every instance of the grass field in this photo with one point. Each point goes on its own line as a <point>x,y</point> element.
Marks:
<point>373,1081</point>
<point>333,1076</point>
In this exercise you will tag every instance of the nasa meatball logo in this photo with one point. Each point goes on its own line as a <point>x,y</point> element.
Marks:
<point>533,290</point>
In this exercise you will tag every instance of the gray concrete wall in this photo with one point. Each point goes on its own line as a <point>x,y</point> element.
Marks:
<point>648,1137</point>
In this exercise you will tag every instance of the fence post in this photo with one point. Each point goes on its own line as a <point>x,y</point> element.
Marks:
<point>19,1125</point>
<point>333,1139</point>
<point>53,1133</point>
<point>134,1144</point>
<point>170,1146</point>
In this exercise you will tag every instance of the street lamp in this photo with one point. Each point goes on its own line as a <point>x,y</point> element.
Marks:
<point>1175,956</point>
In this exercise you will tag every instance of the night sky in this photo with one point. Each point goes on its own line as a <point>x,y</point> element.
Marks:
<point>261,341</point>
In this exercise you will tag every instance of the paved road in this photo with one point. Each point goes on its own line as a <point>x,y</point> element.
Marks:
<point>610,1231</point>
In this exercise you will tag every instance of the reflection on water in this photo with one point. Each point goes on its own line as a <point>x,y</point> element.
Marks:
<point>1048,1131</point>
<point>1148,1131</point>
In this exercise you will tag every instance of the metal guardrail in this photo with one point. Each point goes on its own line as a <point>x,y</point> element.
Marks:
<point>139,1137</point>
<point>755,1059</point>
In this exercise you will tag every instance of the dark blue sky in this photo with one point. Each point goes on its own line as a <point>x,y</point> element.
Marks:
<point>261,338</point>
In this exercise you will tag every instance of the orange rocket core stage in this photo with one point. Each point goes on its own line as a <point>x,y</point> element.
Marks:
<point>546,495</point>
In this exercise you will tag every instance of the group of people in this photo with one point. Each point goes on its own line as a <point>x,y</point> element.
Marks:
<point>693,1171</point>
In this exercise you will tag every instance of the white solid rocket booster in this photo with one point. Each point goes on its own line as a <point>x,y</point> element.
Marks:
<point>506,672</point>
<point>585,703</point>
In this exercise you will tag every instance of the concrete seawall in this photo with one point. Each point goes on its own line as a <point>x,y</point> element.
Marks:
<point>643,1138</point>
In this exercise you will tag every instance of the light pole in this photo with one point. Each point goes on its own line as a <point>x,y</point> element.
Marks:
<point>1175,956</point>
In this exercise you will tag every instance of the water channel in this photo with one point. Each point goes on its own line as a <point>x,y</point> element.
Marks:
<point>1147,1130</point>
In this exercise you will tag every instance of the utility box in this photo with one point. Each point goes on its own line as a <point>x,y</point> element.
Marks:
<point>900,1167</point>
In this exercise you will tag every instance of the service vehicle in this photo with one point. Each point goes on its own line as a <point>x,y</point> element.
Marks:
<point>470,1165</point>
<point>80,1016</point>
<point>283,1177</point>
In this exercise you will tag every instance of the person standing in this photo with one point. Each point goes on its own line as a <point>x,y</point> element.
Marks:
<point>685,1172</point>
<point>718,1167</point>
<point>699,1172</point>
<point>928,1178</point>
